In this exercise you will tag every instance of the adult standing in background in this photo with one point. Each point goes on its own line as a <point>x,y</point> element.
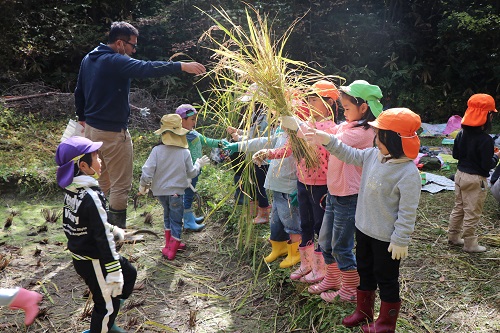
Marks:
<point>102,107</point>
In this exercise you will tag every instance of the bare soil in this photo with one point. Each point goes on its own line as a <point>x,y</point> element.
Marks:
<point>200,291</point>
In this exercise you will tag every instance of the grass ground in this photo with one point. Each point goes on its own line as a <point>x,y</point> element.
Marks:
<point>216,286</point>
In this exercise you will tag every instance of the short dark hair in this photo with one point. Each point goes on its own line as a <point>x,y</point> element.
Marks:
<point>392,142</point>
<point>87,158</point>
<point>121,30</point>
<point>368,116</point>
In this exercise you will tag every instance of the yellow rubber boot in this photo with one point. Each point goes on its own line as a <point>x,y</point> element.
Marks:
<point>293,256</point>
<point>278,249</point>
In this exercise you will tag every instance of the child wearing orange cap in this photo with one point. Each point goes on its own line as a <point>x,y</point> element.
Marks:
<point>386,210</point>
<point>311,186</point>
<point>474,150</point>
<point>361,104</point>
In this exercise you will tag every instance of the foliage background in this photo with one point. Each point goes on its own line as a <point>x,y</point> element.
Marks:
<point>427,55</point>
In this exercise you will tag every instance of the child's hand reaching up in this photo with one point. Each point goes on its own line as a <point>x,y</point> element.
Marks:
<point>398,252</point>
<point>204,160</point>
<point>318,137</point>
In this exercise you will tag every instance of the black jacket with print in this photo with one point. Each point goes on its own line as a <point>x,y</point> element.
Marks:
<point>85,223</point>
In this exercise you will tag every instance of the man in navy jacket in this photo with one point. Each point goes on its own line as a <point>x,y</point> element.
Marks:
<point>102,107</point>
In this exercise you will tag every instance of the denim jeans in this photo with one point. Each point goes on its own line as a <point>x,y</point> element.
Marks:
<point>311,213</point>
<point>376,267</point>
<point>336,237</point>
<point>173,210</point>
<point>284,218</point>
<point>189,194</point>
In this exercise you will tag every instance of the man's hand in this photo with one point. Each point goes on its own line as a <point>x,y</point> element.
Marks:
<point>114,283</point>
<point>193,68</point>
<point>398,252</point>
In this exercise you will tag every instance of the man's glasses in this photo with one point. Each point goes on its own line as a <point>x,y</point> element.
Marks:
<point>134,46</point>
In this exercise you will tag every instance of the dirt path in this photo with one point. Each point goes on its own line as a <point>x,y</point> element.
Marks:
<point>197,292</point>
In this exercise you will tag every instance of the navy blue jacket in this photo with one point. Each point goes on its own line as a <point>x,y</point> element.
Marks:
<point>102,91</point>
<point>473,148</point>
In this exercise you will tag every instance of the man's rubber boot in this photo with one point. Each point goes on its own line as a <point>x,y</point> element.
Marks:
<point>118,217</point>
<point>278,249</point>
<point>293,256</point>
<point>306,257</point>
<point>26,300</point>
<point>190,223</point>
<point>363,314</point>
<point>386,321</point>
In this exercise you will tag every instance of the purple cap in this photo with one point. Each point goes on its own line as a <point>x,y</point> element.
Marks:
<point>65,154</point>
<point>185,110</point>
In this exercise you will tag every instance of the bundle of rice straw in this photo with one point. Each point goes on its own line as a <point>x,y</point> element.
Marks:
<point>243,58</point>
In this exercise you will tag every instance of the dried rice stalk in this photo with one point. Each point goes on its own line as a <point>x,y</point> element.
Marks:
<point>245,57</point>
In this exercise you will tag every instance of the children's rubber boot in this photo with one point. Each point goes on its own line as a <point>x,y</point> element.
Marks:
<point>199,219</point>
<point>86,331</point>
<point>318,271</point>
<point>278,249</point>
<point>331,281</point>
<point>386,321</point>
<point>26,300</point>
<point>347,292</point>
<point>172,250</point>
<point>182,246</point>
<point>471,245</point>
<point>252,208</point>
<point>293,256</point>
<point>116,329</point>
<point>363,314</point>
<point>118,217</point>
<point>164,251</point>
<point>306,258</point>
<point>455,239</point>
<point>262,215</point>
<point>190,223</point>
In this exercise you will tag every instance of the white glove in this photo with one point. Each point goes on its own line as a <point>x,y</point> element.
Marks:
<point>290,122</point>
<point>260,156</point>
<point>398,252</point>
<point>204,160</point>
<point>114,283</point>
<point>144,112</point>
<point>118,232</point>
<point>143,190</point>
<point>317,137</point>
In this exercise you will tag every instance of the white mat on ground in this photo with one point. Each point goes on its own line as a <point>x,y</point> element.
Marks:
<point>436,183</point>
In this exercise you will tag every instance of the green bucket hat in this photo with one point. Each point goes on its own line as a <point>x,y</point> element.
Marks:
<point>369,92</point>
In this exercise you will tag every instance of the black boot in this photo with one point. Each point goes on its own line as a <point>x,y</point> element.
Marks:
<point>118,217</point>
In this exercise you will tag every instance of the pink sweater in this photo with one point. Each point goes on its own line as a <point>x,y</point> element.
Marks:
<point>316,176</point>
<point>343,179</point>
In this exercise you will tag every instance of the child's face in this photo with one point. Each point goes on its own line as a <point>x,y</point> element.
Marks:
<point>353,112</point>
<point>94,167</point>
<point>320,109</point>
<point>380,145</point>
<point>189,123</point>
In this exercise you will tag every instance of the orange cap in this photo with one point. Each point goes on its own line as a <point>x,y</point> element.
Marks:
<point>404,122</point>
<point>325,88</point>
<point>478,107</point>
